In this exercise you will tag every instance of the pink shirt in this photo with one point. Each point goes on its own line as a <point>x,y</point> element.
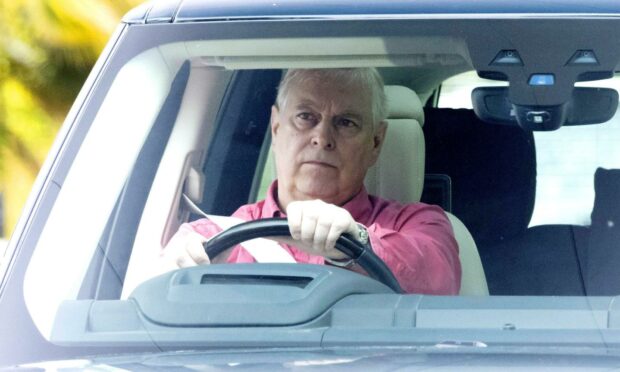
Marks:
<point>416,241</point>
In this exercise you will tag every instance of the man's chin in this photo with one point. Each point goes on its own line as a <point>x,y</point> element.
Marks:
<point>319,191</point>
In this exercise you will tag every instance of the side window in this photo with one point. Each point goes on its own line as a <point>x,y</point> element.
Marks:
<point>566,158</point>
<point>456,91</point>
<point>139,102</point>
<point>239,141</point>
<point>267,174</point>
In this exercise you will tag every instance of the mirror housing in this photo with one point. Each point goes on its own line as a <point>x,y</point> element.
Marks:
<point>586,106</point>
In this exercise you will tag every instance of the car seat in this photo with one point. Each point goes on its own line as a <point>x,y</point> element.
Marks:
<point>601,255</point>
<point>399,175</point>
<point>493,173</point>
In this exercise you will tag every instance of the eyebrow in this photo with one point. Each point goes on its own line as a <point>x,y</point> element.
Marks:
<point>353,115</point>
<point>306,103</point>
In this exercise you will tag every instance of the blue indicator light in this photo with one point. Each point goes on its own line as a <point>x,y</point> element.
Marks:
<point>542,79</point>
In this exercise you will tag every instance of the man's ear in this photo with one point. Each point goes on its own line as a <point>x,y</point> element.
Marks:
<point>275,122</point>
<point>379,136</point>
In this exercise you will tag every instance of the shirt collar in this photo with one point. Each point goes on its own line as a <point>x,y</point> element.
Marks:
<point>359,206</point>
<point>271,208</point>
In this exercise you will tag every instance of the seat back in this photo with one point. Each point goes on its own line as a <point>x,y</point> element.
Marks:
<point>399,171</point>
<point>493,174</point>
<point>399,175</point>
<point>602,253</point>
<point>490,167</point>
<point>473,279</point>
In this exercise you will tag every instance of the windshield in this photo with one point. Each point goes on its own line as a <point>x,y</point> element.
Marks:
<point>478,196</point>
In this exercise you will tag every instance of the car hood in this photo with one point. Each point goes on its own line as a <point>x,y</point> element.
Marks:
<point>359,358</point>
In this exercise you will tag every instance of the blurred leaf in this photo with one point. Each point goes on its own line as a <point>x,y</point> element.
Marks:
<point>47,48</point>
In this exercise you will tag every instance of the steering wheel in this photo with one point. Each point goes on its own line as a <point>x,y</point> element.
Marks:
<point>364,257</point>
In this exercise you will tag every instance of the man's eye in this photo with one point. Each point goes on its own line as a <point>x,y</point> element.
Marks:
<point>305,116</point>
<point>346,123</point>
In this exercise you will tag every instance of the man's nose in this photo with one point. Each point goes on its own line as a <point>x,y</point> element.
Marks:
<point>323,136</point>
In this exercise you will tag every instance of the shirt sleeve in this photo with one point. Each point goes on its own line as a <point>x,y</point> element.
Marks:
<point>420,249</point>
<point>208,229</point>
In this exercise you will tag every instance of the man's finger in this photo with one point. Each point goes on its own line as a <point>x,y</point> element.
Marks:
<point>308,226</point>
<point>333,235</point>
<point>321,232</point>
<point>184,260</point>
<point>293,214</point>
<point>196,251</point>
<point>340,225</point>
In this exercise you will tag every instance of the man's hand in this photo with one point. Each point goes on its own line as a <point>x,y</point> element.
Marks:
<point>184,250</point>
<point>315,226</point>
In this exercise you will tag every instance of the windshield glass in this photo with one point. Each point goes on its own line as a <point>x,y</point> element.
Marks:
<point>400,178</point>
<point>565,178</point>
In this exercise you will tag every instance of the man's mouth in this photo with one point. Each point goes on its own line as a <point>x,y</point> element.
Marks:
<point>320,163</point>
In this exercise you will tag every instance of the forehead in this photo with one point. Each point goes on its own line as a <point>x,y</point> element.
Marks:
<point>336,94</point>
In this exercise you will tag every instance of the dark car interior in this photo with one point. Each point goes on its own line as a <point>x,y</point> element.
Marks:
<point>483,173</point>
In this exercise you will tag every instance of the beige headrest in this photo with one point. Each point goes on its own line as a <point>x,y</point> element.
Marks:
<point>404,103</point>
<point>399,171</point>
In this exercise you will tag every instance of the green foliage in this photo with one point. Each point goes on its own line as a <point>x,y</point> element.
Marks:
<point>47,48</point>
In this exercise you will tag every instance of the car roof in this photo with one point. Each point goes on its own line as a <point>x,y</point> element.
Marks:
<point>177,11</point>
<point>517,23</point>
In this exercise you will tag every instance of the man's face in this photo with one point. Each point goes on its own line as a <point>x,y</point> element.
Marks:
<point>324,141</point>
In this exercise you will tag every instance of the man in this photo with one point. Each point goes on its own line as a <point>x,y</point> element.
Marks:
<point>327,129</point>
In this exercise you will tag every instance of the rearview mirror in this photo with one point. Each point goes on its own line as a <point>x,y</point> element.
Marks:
<point>586,106</point>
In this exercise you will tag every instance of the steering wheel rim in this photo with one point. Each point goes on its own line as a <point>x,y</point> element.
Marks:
<point>366,258</point>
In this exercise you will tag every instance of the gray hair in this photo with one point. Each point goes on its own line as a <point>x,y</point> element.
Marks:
<point>368,77</point>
